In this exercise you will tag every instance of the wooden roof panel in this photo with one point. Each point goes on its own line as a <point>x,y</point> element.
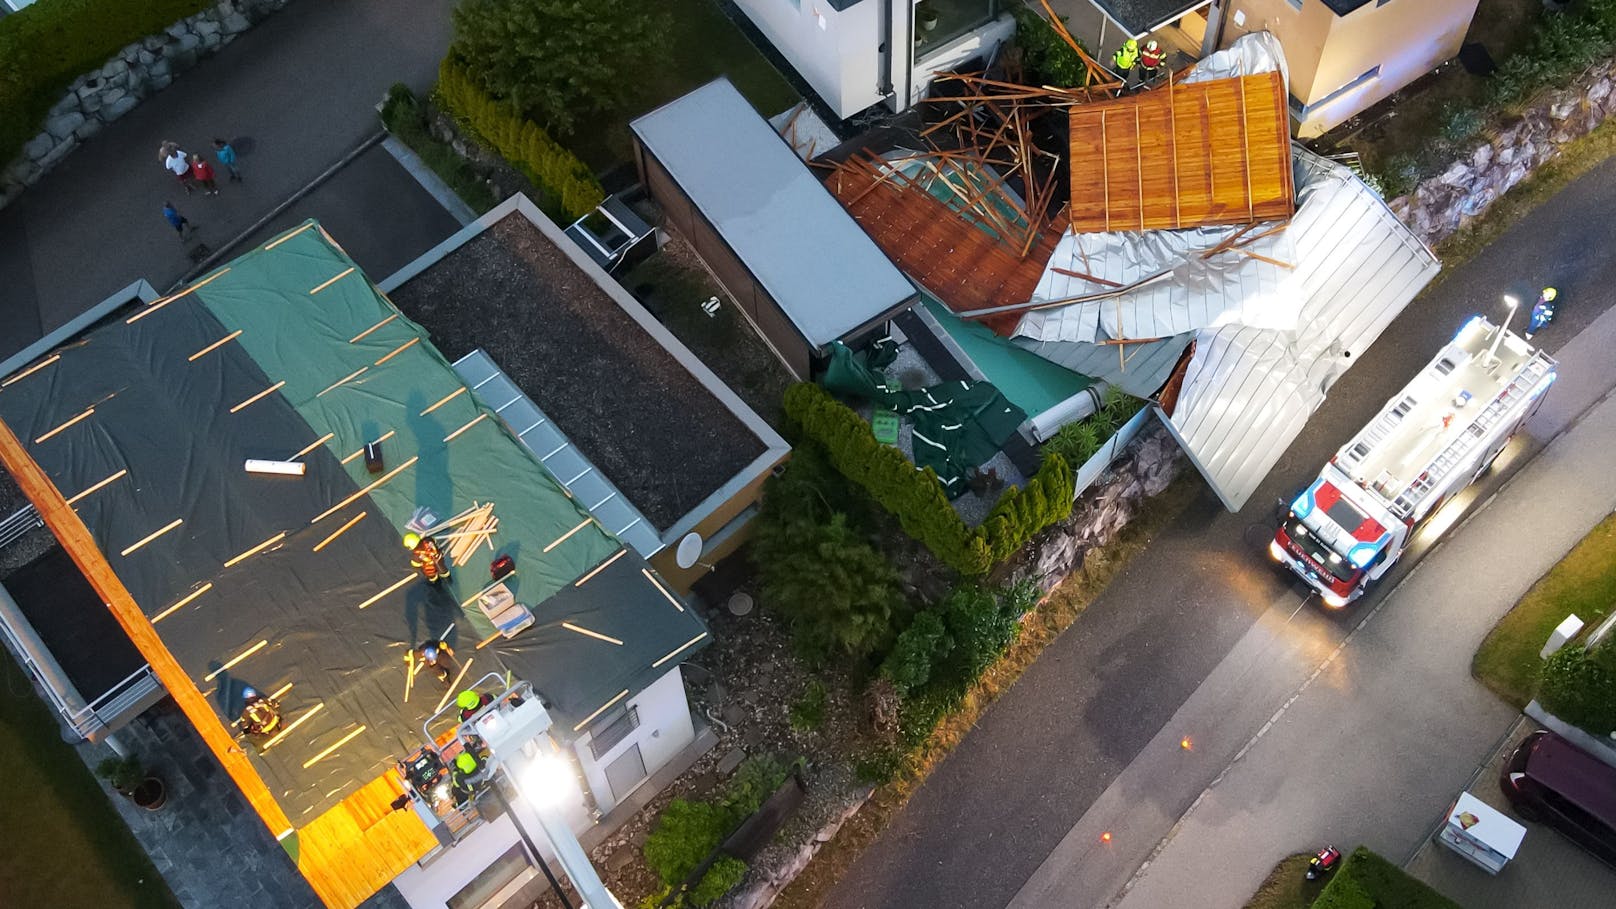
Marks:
<point>1215,152</point>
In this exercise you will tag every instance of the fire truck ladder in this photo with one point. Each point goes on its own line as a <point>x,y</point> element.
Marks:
<point>1452,456</point>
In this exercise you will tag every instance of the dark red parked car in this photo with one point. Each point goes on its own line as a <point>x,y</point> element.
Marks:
<point>1552,781</point>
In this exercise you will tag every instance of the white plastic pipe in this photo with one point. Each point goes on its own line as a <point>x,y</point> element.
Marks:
<point>283,468</point>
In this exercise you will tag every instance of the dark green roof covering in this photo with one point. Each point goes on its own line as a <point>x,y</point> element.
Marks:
<point>341,367</point>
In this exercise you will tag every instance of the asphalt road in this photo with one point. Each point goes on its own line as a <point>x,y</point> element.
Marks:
<point>1376,746</point>
<point>296,93</point>
<point>1116,683</point>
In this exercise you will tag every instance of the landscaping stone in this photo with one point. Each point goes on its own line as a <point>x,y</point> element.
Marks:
<point>728,763</point>
<point>112,89</point>
<point>1442,205</point>
<point>118,108</point>
<point>62,126</point>
<point>1146,467</point>
<point>37,147</point>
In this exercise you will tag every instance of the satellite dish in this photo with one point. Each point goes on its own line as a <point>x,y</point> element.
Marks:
<point>689,550</point>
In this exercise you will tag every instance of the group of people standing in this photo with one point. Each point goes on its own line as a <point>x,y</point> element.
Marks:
<point>1146,60</point>
<point>192,171</point>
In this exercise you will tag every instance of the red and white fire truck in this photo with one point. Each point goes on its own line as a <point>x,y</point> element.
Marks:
<point>1429,441</point>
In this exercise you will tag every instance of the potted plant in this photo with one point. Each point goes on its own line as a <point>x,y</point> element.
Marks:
<point>129,777</point>
<point>926,16</point>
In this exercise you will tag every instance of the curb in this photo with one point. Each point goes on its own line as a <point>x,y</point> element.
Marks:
<point>223,251</point>
<point>430,181</point>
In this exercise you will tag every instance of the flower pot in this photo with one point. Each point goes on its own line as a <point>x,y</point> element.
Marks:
<point>928,20</point>
<point>151,794</point>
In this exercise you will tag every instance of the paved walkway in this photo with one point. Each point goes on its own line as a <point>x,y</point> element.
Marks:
<point>1378,742</point>
<point>297,91</point>
<point>206,841</point>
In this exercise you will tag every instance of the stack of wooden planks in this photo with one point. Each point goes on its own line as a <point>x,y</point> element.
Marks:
<point>469,530</point>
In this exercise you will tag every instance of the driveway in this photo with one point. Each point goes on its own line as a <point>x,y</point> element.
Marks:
<point>1200,636</point>
<point>297,92</point>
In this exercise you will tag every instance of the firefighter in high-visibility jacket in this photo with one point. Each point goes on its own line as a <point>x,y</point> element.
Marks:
<point>1151,57</point>
<point>1125,59</point>
<point>426,557</point>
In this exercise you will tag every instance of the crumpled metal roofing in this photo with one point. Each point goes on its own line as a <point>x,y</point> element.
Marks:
<point>1248,391</point>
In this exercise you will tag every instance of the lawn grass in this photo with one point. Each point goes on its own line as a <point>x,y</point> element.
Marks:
<point>1287,886</point>
<point>1040,629</point>
<point>1584,583</point>
<point>1367,879</point>
<point>66,846</point>
<point>702,45</point>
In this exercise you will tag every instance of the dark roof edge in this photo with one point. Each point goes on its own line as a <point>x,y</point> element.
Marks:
<point>139,291</point>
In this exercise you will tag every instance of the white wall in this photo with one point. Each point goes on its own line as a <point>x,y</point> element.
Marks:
<point>665,729</point>
<point>838,53</point>
<point>982,41</point>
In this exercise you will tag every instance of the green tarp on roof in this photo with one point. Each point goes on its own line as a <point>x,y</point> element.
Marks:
<point>1030,382</point>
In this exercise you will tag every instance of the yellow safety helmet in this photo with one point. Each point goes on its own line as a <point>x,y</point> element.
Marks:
<point>412,540</point>
<point>1130,45</point>
<point>468,700</point>
<point>1549,294</point>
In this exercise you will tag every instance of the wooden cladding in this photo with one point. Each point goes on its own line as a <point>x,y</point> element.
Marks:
<point>1178,156</point>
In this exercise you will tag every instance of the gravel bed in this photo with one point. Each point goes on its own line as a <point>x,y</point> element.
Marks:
<point>625,401</point>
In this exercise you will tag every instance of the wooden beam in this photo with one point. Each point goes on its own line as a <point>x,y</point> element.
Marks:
<point>81,547</point>
<point>1245,151</point>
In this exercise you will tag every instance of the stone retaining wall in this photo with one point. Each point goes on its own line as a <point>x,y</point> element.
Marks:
<point>1441,205</point>
<point>133,74</point>
<point>1145,468</point>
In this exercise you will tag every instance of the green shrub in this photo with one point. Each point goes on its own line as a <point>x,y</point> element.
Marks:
<point>917,649</point>
<point>916,497</point>
<point>982,623</point>
<point>879,765</point>
<point>836,592</point>
<point>1460,122</point>
<point>405,117</point>
<point>1078,441</point>
<point>559,61</point>
<point>687,832</point>
<point>1580,688</point>
<point>520,141</point>
<point>808,713</point>
<point>1400,175</point>
<point>1048,58</point>
<point>1562,46</point>
<point>47,45</point>
<point>720,879</point>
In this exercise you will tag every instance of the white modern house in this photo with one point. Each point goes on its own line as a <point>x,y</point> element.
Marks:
<point>859,53</point>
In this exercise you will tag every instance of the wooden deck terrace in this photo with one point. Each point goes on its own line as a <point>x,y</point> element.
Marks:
<point>347,853</point>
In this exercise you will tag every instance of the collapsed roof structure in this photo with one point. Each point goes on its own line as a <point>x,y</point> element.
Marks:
<point>1233,298</point>
<point>131,441</point>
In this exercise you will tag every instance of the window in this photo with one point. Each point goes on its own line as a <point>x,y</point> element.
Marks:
<point>496,883</point>
<point>1295,4</point>
<point>1374,72</point>
<point>613,729</point>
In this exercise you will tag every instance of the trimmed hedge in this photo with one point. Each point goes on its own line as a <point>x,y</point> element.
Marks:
<point>916,497</point>
<point>520,141</point>
<point>47,45</point>
<point>1368,881</point>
